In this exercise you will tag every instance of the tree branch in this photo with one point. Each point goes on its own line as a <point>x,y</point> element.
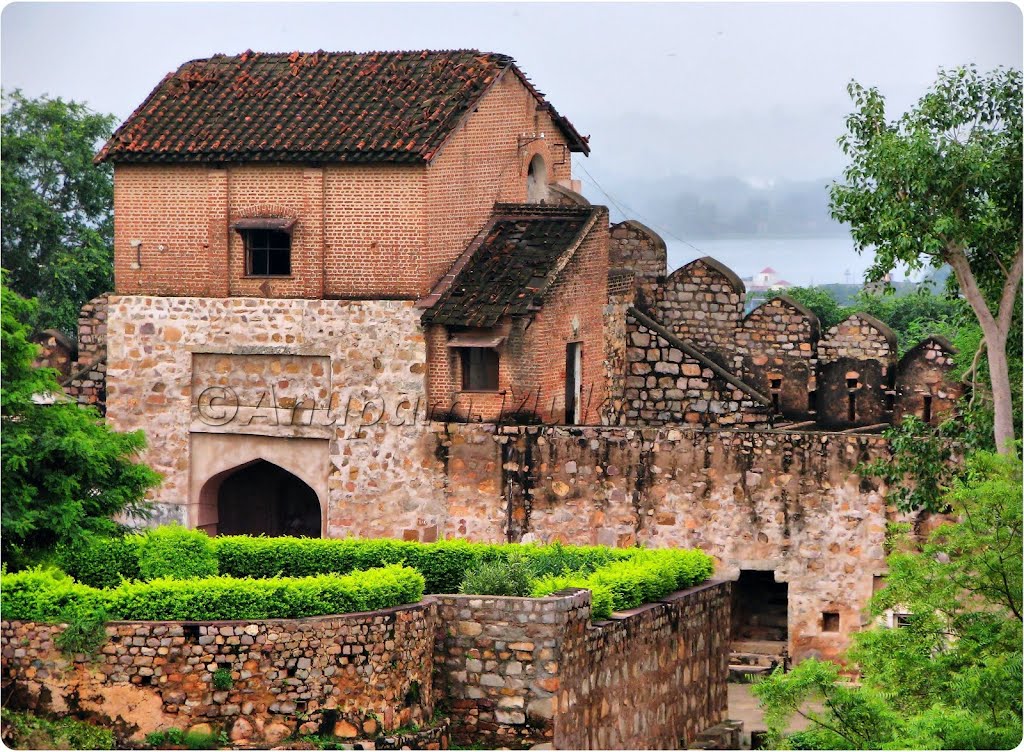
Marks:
<point>1009,297</point>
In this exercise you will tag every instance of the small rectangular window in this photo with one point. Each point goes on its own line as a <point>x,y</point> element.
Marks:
<point>926,409</point>
<point>830,621</point>
<point>479,369</point>
<point>268,253</point>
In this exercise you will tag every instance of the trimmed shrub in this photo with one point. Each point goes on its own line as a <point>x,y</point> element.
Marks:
<point>35,595</point>
<point>512,575</point>
<point>102,562</point>
<point>600,596</point>
<point>174,551</point>
<point>45,595</point>
<point>649,575</point>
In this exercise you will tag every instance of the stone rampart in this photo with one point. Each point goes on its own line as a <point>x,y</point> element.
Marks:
<point>520,671</point>
<point>791,504</point>
<point>352,675</point>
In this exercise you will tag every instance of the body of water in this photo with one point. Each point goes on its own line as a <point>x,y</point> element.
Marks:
<point>800,261</point>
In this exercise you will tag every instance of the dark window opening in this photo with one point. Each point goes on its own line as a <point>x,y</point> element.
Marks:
<point>902,620</point>
<point>851,406</point>
<point>851,383</point>
<point>775,402</point>
<point>926,410</point>
<point>268,253</point>
<point>829,621</point>
<point>812,400</point>
<point>890,400</point>
<point>479,369</point>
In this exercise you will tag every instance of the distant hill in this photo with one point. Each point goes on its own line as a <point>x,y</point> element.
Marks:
<point>731,207</point>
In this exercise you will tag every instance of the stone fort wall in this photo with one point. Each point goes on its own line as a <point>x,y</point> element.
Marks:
<point>511,671</point>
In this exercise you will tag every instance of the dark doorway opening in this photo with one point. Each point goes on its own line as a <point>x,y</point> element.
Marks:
<point>262,498</point>
<point>760,607</point>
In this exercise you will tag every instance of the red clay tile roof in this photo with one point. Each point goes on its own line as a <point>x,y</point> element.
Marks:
<point>509,265</point>
<point>321,106</point>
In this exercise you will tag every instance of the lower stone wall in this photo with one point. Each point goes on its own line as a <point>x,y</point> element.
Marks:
<point>518,671</point>
<point>786,503</point>
<point>650,678</point>
<point>353,675</point>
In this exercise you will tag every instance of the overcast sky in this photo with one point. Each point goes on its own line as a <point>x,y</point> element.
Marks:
<point>754,90</point>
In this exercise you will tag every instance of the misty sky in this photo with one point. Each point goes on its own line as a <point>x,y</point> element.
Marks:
<point>755,91</point>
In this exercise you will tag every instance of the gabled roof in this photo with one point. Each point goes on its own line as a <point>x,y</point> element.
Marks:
<point>767,270</point>
<point>509,265</point>
<point>321,106</point>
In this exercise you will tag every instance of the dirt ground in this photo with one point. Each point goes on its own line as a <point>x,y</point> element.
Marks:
<point>743,707</point>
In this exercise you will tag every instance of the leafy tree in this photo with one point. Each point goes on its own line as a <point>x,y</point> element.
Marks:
<point>57,206</point>
<point>824,305</point>
<point>65,472</point>
<point>951,678</point>
<point>942,185</point>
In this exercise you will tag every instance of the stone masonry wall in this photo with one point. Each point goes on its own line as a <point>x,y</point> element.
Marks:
<point>350,675</point>
<point>520,671</point>
<point>702,303</point>
<point>650,678</point>
<point>926,385</point>
<point>775,352</point>
<point>791,503</point>
<point>264,355</point>
<point>665,385</point>
<point>639,249</point>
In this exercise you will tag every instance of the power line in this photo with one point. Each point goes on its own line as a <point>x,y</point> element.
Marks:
<point>628,212</point>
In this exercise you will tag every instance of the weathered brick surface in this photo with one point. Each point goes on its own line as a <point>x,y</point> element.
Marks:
<point>856,364</point>
<point>336,672</point>
<point>362,231</point>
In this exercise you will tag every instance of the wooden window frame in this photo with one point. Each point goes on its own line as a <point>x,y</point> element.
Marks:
<point>479,369</point>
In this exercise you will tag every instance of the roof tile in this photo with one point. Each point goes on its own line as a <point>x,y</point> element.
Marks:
<point>324,106</point>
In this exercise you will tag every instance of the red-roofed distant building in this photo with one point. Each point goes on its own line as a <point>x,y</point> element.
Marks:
<point>766,280</point>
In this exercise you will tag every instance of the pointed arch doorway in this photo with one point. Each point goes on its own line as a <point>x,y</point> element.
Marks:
<point>253,485</point>
<point>261,498</point>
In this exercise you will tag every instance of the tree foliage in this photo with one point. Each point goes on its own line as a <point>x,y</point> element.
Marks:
<point>65,472</point>
<point>942,185</point>
<point>57,206</point>
<point>950,678</point>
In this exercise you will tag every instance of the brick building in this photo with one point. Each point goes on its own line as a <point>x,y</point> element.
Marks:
<point>325,263</point>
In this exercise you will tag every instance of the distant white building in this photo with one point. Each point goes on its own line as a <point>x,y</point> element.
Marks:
<point>766,280</point>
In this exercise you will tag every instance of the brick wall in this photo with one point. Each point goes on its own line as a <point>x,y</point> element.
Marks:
<point>483,163</point>
<point>351,675</point>
<point>361,231</point>
<point>532,358</point>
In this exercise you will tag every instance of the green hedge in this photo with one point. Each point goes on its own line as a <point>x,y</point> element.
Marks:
<point>103,562</point>
<point>629,576</point>
<point>649,575</point>
<point>176,552</point>
<point>46,596</point>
